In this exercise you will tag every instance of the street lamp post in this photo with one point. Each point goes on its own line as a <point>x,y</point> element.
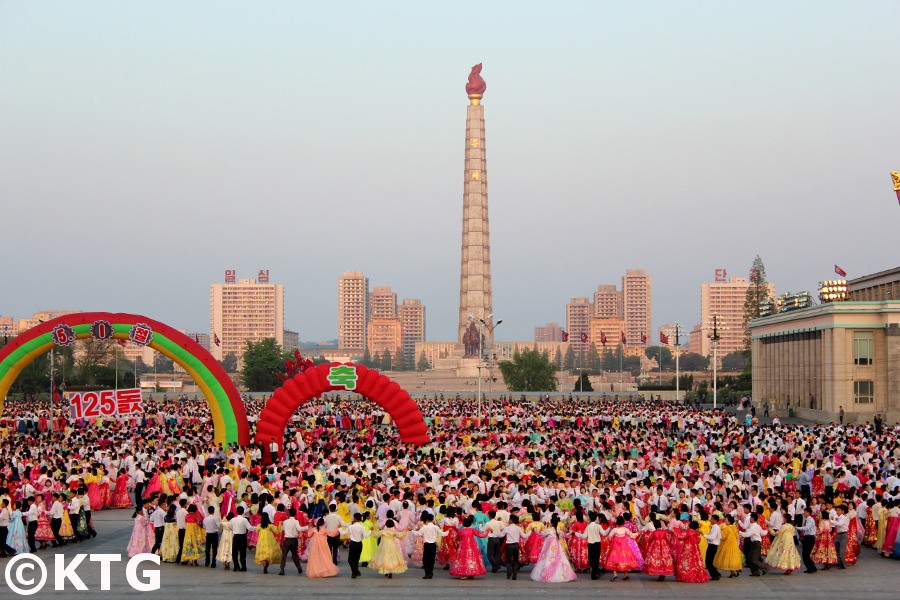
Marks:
<point>491,357</point>
<point>716,324</point>
<point>481,325</point>
<point>677,373</point>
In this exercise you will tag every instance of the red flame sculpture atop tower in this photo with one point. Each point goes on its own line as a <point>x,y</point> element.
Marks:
<point>476,86</point>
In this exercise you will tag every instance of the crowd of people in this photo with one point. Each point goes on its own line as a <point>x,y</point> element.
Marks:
<point>560,485</point>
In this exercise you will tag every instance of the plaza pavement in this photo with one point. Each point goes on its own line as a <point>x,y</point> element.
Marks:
<point>871,578</point>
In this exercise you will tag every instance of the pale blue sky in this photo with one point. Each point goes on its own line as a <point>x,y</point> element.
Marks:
<point>146,147</point>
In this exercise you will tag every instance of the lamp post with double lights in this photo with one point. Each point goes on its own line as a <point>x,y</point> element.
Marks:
<point>490,358</point>
<point>716,324</point>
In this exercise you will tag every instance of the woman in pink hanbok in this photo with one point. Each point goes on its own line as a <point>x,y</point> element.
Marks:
<point>553,564</point>
<point>121,498</point>
<point>467,562</point>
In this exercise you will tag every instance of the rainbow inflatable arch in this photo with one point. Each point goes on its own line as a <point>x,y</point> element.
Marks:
<point>225,404</point>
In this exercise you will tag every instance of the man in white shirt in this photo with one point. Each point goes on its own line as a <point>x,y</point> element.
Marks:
<point>430,533</point>
<point>495,541</point>
<point>180,522</point>
<point>357,532</point>
<point>841,524</point>
<point>514,534</point>
<point>158,520</point>
<point>292,528</point>
<point>211,526</point>
<point>240,526</point>
<point>713,539</point>
<point>594,533</point>
<point>332,522</point>
<point>753,546</point>
<point>5,549</point>
<point>55,515</point>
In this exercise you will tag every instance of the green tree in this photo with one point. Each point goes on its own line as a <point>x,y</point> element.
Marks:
<point>633,365</point>
<point>91,354</point>
<point>229,362</point>
<point>367,359</point>
<point>612,359</point>
<point>569,361</point>
<point>583,384</point>
<point>558,359</point>
<point>757,293</point>
<point>653,353</point>
<point>423,364</point>
<point>387,361</point>
<point>691,361</point>
<point>261,361</point>
<point>35,377</point>
<point>734,361</point>
<point>528,372</point>
<point>592,360</point>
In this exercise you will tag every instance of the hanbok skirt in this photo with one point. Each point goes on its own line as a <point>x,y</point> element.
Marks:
<point>621,555</point>
<point>449,547</point>
<point>552,565</point>
<point>44,533</point>
<point>689,567</point>
<point>141,540</point>
<point>578,551</point>
<point>387,558</point>
<point>121,498</point>
<point>267,548</point>
<point>467,560</point>
<point>890,534</point>
<point>729,557</point>
<point>658,558</point>
<point>226,544</point>
<point>168,550</point>
<point>783,554</point>
<point>823,552</point>
<point>194,543</point>
<point>16,536</point>
<point>66,531</point>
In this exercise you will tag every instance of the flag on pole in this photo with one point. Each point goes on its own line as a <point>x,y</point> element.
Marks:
<point>584,337</point>
<point>623,338</point>
<point>663,338</point>
<point>56,397</point>
<point>840,271</point>
<point>602,338</point>
<point>565,336</point>
<point>216,337</point>
<point>643,338</point>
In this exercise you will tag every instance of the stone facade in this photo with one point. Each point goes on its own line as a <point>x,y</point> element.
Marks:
<point>475,266</point>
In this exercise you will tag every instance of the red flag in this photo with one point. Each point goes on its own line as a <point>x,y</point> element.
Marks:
<point>602,338</point>
<point>584,337</point>
<point>121,342</point>
<point>643,338</point>
<point>216,337</point>
<point>623,338</point>
<point>565,336</point>
<point>663,338</point>
<point>56,397</point>
<point>840,271</point>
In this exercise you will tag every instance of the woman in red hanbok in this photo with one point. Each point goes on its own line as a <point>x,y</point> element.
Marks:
<point>658,555</point>
<point>689,567</point>
<point>467,561</point>
<point>621,554</point>
<point>105,495</point>
<point>578,550</point>
<point>870,536</point>
<point>121,498</point>
<point>450,543</point>
<point>823,551</point>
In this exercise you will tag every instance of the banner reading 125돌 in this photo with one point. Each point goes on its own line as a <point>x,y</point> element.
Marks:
<point>105,403</point>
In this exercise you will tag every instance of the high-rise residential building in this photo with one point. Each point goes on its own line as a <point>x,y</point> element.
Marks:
<point>667,330</point>
<point>8,327</point>
<point>39,317</point>
<point>200,338</point>
<point>245,311</point>
<point>291,341</point>
<point>578,321</point>
<point>694,339</point>
<point>385,334</point>
<point>353,310</point>
<point>608,302</point>
<point>551,332</point>
<point>382,303</point>
<point>611,330</point>
<point>726,301</point>
<point>412,322</point>
<point>637,306</point>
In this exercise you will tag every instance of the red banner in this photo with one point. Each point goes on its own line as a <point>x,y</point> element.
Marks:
<point>105,403</point>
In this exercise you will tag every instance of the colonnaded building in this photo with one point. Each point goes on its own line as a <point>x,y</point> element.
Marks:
<point>816,360</point>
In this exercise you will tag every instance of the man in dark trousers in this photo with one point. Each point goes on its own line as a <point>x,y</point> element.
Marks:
<point>713,539</point>
<point>180,522</point>
<point>807,535</point>
<point>514,534</point>
<point>239,527</point>
<point>431,533</point>
<point>211,526</point>
<point>357,532</point>
<point>291,527</point>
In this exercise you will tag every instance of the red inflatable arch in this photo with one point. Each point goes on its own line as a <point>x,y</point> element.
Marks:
<point>314,382</point>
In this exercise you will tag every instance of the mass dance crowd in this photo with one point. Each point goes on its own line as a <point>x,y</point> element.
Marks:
<point>561,486</point>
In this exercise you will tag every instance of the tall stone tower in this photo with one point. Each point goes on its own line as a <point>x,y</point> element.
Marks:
<point>475,266</point>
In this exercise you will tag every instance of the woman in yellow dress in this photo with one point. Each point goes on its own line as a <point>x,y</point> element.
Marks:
<point>194,537</point>
<point>705,527</point>
<point>267,550</point>
<point>388,559</point>
<point>729,556</point>
<point>168,550</point>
